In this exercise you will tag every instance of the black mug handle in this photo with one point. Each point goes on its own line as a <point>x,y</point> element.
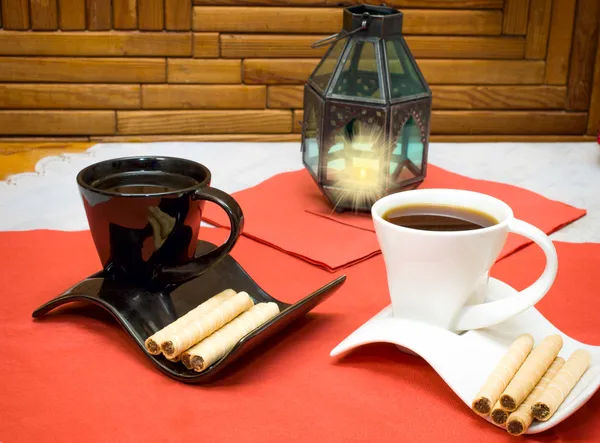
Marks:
<point>201,264</point>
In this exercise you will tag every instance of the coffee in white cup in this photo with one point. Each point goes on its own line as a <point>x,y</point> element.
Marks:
<point>439,245</point>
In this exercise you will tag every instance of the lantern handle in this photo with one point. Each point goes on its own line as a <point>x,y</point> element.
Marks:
<point>342,34</point>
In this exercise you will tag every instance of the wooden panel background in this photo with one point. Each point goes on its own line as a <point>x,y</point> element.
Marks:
<point>234,69</point>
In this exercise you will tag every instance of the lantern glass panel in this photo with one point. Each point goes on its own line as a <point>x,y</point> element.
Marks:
<point>403,77</point>
<point>324,71</point>
<point>311,141</point>
<point>359,77</point>
<point>355,158</point>
<point>407,157</point>
<point>412,134</point>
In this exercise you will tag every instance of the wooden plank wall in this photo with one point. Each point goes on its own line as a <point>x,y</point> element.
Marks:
<point>233,69</point>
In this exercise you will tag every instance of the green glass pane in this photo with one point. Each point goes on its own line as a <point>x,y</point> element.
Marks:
<point>359,76</point>
<point>325,70</point>
<point>403,76</point>
<point>311,143</point>
<point>410,137</point>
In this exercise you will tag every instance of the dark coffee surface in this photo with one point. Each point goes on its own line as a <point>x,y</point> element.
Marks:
<point>144,182</point>
<point>439,218</point>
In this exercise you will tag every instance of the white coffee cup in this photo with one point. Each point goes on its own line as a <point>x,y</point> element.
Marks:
<point>440,277</point>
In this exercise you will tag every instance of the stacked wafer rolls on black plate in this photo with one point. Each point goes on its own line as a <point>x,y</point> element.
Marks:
<point>206,333</point>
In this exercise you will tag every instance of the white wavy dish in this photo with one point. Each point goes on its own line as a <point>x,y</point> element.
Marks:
<point>465,361</point>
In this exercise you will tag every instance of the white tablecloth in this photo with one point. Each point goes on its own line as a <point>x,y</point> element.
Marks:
<point>569,172</point>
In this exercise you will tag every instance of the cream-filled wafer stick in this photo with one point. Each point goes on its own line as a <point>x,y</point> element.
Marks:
<point>530,373</point>
<point>153,342</point>
<point>561,385</point>
<point>502,374</point>
<point>212,348</point>
<point>519,421</point>
<point>185,359</point>
<point>183,339</point>
<point>499,415</point>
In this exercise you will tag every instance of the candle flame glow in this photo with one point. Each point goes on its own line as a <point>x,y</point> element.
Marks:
<point>362,181</point>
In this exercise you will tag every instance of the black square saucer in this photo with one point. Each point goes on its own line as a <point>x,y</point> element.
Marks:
<point>142,312</point>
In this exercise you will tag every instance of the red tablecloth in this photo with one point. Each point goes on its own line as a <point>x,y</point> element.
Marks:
<point>76,376</point>
<point>289,212</point>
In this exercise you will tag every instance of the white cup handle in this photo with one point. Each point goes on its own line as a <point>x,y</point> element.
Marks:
<point>488,314</point>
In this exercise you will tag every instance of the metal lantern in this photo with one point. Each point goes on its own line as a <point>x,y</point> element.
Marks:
<point>366,112</point>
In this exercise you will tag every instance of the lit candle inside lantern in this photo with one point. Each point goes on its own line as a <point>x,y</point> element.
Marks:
<point>365,166</point>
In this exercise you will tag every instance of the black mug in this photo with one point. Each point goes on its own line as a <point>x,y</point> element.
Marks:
<point>144,215</point>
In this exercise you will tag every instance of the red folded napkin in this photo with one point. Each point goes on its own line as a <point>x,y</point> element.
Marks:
<point>284,212</point>
<point>548,215</point>
<point>274,213</point>
<point>77,376</point>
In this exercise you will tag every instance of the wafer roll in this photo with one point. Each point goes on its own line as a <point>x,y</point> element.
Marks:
<point>561,385</point>
<point>519,421</point>
<point>502,374</point>
<point>185,359</point>
<point>530,373</point>
<point>499,415</point>
<point>153,342</point>
<point>202,355</point>
<point>194,332</point>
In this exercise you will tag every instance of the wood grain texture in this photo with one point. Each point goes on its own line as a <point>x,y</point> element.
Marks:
<point>13,145</point>
<point>498,97</point>
<point>583,52</point>
<point>508,122</point>
<point>66,96</point>
<point>124,14</point>
<point>15,14</point>
<point>198,138</point>
<point>99,15</point>
<point>285,97</point>
<point>203,97</point>
<point>296,71</point>
<point>449,22</point>
<point>71,15</point>
<point>178,15</point>
<point>516,13</point>
<point>538,28</point>
<point>273,46</point>
<point>95,43</point>
<point>484,72</point>
<point>329,20</point>
<point>44,14</point>
<point>298,116</point>
<point>593,126</point>
<point>204,71</point>
<point>444,4</point>
<point>269,45</point>
<point>453,97</point>
<point>206,45</point>
<point>151,15</point>
<point>559,42</point>
<point>57,122</point>
<point>203,122</point>
<point>504,47</point>
<point>278,71</point>
<point>82,70</point>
